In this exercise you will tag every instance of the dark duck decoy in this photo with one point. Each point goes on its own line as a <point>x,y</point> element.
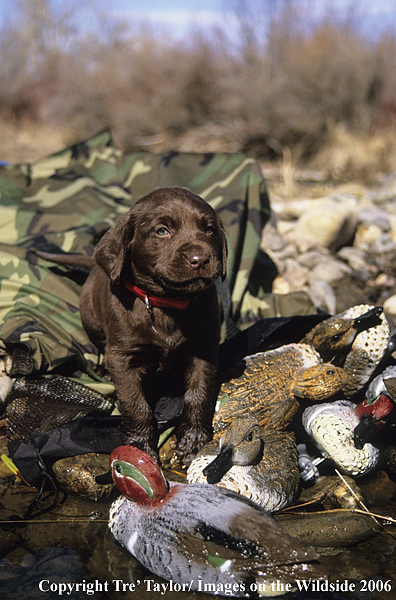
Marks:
<point>356,340</point>
<point>201,534</point>
<point>333,337</point>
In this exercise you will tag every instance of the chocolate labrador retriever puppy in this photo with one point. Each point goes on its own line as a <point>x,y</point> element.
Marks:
<point>151,305</point>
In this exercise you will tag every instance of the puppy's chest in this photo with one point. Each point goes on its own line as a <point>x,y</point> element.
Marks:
<point>165,335</point>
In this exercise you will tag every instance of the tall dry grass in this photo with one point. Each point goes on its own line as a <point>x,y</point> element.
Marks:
<point>314,87</point>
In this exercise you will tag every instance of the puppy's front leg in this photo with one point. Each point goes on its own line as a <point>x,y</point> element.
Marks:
<point>195,428</point>
<point>138,422</point>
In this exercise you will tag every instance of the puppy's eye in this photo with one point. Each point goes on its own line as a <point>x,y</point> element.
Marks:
<point>209,229</point>
<point>162,231</point>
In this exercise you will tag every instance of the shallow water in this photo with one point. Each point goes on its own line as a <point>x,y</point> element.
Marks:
<point>72,543</point>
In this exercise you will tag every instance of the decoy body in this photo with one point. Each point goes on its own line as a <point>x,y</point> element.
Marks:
<point>201,534</point>
<point>259,464</point>
<point>272,381</point>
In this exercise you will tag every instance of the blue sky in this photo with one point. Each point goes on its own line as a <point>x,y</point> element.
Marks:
<point>179,15</point>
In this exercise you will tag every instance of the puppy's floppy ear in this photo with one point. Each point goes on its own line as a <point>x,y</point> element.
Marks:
<point>224,250</point>
<point>110,252</point>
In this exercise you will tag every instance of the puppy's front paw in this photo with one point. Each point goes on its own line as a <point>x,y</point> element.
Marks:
<point>190,444</point>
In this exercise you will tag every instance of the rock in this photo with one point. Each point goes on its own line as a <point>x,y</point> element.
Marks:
<point>390,305</point>
<point>323,296</point>
<point>383,243</point>
<point>76,474</point>
<point>386,193</point>
<point>281,286</point>
<point>329,224</point>
<point>295,274</point>
<point>355,257</point>
<point>329,269</point>
<point>329,528</point>
<point>333,492</point>
<point>374,216</point>
<point>379,487</point>
<point>312,258</point>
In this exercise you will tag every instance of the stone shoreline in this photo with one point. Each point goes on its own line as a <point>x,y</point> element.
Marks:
<point>337,243</point>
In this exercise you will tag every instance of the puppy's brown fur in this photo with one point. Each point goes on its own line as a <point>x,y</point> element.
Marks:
<point>170,244</point>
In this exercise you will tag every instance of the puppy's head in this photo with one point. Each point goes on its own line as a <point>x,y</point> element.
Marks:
<point>170,243</point>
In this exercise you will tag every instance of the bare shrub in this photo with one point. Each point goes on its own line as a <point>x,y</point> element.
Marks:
<point>290,82</point>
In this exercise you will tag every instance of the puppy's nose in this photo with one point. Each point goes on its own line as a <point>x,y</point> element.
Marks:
<point>198,260</point>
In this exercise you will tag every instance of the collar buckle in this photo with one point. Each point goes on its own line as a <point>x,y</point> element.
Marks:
<point>148,305</point>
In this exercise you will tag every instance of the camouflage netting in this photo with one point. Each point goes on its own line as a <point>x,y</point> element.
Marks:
<point>66,202</point>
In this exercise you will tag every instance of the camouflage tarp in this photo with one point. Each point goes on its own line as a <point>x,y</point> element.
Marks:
<point>69,199</point>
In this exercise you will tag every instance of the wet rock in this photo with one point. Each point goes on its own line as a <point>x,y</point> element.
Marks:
<point>76,474</point>
<point>58,564</point>
<point>379,487</point>
<point>328,529</point>
<point>8,541</point>
<point>333,492</point>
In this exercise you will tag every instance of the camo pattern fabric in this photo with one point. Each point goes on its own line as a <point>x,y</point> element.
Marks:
<point>68,200</point>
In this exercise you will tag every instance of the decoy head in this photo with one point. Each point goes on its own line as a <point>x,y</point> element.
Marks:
<point>241,444</point>
<point>137,475</point>
<point>319,382</point>
<point>372,413</point>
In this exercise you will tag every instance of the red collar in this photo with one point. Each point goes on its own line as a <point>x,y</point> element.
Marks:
<point>157,301</point>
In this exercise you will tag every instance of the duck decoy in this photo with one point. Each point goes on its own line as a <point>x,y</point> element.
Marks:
<point>203,535</point>
<point>259,464</point>
<point>333,338</point>
<point>373,414</point>
<point>272,382</point>
<point>377,408</point>
<point>331,427</point>
<point>384,383</point>
<point>368,350</point>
